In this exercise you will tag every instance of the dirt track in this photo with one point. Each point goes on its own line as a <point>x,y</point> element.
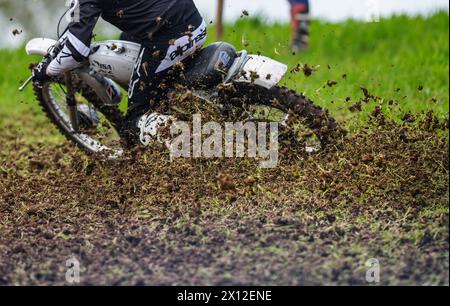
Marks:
<point>383,194</point>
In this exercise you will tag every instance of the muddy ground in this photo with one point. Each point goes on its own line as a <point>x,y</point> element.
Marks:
<point>382,193</point>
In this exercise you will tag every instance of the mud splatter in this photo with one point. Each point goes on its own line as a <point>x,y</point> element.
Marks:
<point>380,193</point>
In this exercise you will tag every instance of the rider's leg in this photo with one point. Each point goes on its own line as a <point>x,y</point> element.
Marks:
<point>152,77</point>
<point>145,90</point>
<point>300,24</point>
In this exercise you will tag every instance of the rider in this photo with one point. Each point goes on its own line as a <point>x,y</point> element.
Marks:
<point>169,31</point>
<point>300,24</point>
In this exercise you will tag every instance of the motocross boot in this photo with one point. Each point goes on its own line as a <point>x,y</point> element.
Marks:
<point>300,36</point>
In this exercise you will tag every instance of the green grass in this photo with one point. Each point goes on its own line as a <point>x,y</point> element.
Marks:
<point>400,52</point>
<point>397,53</point>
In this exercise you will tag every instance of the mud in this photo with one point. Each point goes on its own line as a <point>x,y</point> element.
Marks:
<point>381,193</point>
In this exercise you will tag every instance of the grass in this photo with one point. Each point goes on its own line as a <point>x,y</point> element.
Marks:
<point>392,58</point>
<point>382,193</point>
<point>314,221</point>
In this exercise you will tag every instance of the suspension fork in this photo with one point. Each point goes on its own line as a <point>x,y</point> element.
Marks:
<point>71,101</point>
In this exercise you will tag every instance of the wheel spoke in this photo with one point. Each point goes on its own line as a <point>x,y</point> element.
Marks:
<point>97,134</point>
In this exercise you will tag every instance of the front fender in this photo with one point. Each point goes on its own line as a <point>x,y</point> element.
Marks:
<point>39,46</point>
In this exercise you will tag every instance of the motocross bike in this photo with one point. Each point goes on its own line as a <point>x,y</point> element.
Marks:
<point>84,103</point>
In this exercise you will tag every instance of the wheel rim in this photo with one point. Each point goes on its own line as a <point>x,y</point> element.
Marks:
<point>101,139</point>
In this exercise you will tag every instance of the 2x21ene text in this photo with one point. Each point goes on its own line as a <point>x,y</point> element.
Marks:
<point>245,295</point>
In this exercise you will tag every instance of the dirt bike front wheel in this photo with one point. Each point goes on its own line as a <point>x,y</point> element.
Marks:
<point>96,135</point>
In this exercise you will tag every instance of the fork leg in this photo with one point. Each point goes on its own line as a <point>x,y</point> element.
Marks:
<point>71,101</point>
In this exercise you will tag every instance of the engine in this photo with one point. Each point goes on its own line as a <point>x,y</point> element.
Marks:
<point>115,59</point>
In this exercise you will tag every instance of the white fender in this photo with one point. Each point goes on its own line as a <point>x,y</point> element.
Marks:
<point>268,72</point>
<point>39,46</point>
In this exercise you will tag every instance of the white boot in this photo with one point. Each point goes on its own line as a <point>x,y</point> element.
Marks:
<point>151,126</point>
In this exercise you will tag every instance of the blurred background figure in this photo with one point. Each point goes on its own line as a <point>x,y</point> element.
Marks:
<point>300,24</point>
